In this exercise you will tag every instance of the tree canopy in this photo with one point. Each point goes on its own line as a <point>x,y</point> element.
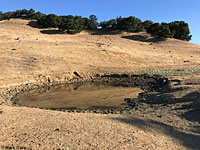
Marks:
<point>75,24</point>
<point>177,29</point>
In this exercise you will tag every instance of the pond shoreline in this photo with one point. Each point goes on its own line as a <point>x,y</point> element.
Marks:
<point>146,82</point>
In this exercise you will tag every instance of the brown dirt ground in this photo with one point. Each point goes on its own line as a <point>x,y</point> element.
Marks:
<point>32,55</point>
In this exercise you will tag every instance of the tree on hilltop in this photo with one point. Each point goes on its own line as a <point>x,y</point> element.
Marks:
<point>146,24</point>
<point>38,15</point>
<point>93,22</point>
<point>181,30</point>
<point>160,30</point>
<point>71,24</point>
<point>50,20</point>
<point>31,14</point>
<point>1,15</point>
<point>103,24</point>
<point>164,31</point>
<point>131,24</point>
<point>74,24</point>
<point>154,29</point>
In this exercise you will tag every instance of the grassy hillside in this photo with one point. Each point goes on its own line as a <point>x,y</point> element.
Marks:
<point>29,54</point>
<point>28,51</point>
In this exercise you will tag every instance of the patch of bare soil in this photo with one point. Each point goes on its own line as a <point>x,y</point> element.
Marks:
<point>31,57</point>
<point>177,107</point>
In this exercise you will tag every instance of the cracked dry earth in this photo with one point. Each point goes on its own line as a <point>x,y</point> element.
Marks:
<point>29,55</point>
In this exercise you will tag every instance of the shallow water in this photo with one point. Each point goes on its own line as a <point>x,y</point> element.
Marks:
<point>78,96</point>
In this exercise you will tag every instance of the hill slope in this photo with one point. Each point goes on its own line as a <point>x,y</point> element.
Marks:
<point>33,51</point>
<point>29,54</point>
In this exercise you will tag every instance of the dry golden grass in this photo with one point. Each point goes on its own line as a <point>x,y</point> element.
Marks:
<point>27,54</point>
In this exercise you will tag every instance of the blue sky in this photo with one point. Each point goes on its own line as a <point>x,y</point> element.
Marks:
<point>155,10</point>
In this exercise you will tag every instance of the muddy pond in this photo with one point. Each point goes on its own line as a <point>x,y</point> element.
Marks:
<point>82,96</point>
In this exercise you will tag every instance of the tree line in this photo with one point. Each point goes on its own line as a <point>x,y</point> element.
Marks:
<point>75,24</point>
<point>176,29</point>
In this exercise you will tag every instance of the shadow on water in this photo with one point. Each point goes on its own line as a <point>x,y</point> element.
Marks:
<point>78,96</point>
<point>141,38</point>
<point>191,141</point>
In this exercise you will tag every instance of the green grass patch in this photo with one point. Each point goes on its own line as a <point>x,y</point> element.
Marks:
<point>170,72</point>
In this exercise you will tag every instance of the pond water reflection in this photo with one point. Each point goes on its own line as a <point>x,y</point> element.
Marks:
<point>78,96</point>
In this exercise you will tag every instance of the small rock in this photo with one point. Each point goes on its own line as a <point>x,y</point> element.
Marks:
<point>185,61</point>
<point>57,129</point>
